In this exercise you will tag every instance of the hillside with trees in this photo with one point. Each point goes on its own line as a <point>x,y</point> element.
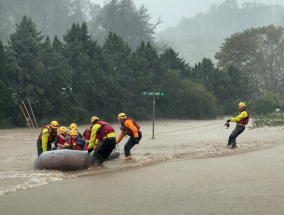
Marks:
<point>77,78</point>
<point>78,73</point>
<point>201,36</point>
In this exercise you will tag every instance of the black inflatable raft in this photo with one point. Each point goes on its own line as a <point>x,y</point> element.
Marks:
<point>65,159</point>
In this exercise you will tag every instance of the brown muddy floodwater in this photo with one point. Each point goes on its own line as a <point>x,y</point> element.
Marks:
<point>176,140</point>
<point>18,150</point>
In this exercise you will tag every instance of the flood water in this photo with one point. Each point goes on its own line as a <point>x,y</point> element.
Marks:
<point>175,140</point>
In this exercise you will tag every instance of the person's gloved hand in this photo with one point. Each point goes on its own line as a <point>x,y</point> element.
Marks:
<point>229,120</point>
<point>227,124</point>
<point>90,150</point>
<point>136,140</point>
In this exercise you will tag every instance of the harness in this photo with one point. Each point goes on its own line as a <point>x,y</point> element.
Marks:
<point>104,130</point>
<point>245,120</point>
<point>52,135</point>
<point>127,130</point>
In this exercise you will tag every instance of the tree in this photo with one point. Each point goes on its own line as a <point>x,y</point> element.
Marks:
<point>186,99</point>
<point>6,105</point>
<point>25,47</point>
<point>123,18</point>
<point>94,79</point>
<point>259,53</point>
<point>75,80</point>
<point>203,72</point>
<point>171,61</point>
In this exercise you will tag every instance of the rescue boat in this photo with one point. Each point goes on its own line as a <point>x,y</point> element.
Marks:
<point>68,160</point>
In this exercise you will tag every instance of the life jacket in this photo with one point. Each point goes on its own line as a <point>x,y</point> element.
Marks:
<point>244,121</point>
<point>52,135</point>
<point>127,130</point>
<point>87,133</point>
<point>73,143</point>
<point>62,139</point>
<point>104,130</point>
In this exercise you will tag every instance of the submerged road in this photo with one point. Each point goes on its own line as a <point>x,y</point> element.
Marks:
<point>243,183</point>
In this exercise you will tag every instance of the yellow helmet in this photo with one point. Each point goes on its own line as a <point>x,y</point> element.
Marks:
<point>94,118</point>
<point>73,126</point>
<point>121,116</point>
<point>73,132</point>
<point>62,130</point>
<point>54,124</point>
<point>242,104</point>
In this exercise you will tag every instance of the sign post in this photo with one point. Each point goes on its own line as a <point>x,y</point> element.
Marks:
<point>154,94</point>
<point>153,113</point>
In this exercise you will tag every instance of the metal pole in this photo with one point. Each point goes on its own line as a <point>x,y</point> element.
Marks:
<point>32,112</point>
<point>25,116</point>
<point>28,113</point>
<point>153,113</point>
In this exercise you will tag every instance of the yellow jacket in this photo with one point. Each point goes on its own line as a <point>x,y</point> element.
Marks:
<point>94,140</point>
<point>45,137</point>
<point>242,115</point>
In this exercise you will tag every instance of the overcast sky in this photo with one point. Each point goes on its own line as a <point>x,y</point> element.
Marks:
<point>171,11</point>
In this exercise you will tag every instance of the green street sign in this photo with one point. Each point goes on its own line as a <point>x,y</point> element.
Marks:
<point>152,93</point>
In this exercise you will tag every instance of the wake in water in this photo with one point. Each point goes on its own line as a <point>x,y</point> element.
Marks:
<point>22,180</point>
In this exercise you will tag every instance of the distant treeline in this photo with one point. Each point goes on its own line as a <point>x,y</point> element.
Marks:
<point>54,17</point>
<point>194,38</point>
<point>202,35</point>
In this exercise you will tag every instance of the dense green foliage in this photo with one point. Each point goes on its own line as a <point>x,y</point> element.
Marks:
<point>102,66</point>
<point>267,104</point>
<point>268,120</point>
<point>266,110</point>
<point>229,85</point>
<point>6,104</point>
<point>73,80</point>
<point>259,53</point>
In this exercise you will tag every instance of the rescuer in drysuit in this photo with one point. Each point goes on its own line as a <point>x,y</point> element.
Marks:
<point>74,126</point>
<point>46,137</point>
<point>62,138</point>
<point>102,140</point>
<point>73,142</point>
<point>241,120</point>
<point>131,128</point>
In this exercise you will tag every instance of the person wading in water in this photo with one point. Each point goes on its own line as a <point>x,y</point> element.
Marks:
<point>47,136</point>
<point>242,120</point>
<point>132,129</point>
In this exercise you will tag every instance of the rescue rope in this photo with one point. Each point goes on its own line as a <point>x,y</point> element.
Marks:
<point>187,129</point>
<point>195,132</point>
